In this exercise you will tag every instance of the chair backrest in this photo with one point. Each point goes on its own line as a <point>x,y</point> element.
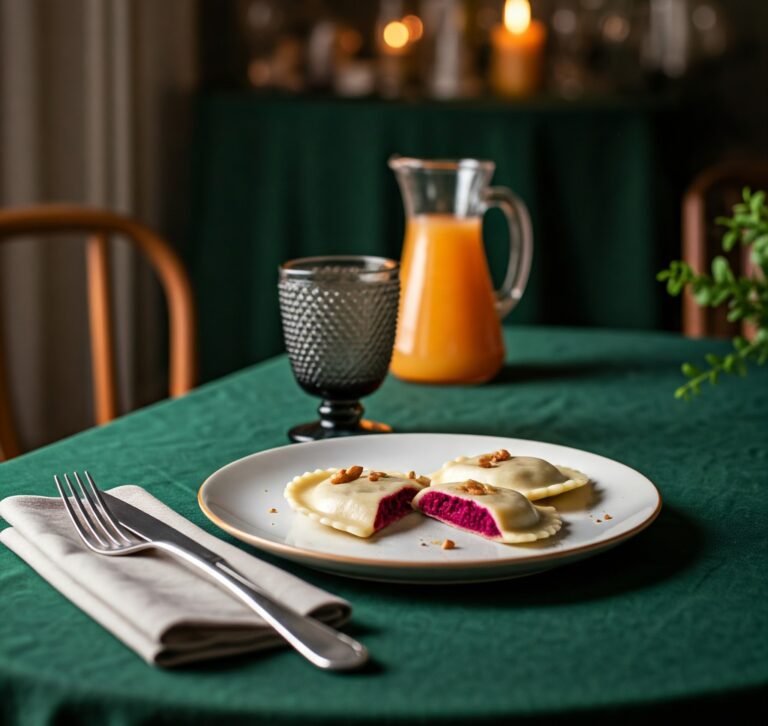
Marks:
<point>713,194</point>
<point>99,226</point>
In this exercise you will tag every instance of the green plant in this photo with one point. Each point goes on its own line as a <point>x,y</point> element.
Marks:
<point>745,296</point>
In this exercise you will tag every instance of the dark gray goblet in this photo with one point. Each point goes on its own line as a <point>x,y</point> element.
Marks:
<point>339,317</point>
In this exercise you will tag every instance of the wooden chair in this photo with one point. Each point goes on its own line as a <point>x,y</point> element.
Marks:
<point>713,194</point>
<point>98,226</point>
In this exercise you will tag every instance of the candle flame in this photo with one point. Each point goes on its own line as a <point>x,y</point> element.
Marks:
<point>517,16</point>
<point>396,34</point>
<point>414,25</point>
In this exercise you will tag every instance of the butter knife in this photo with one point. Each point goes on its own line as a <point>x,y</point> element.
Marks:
<point>319,643</point>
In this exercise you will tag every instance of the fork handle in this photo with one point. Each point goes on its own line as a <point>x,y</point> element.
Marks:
<point>320,644</point>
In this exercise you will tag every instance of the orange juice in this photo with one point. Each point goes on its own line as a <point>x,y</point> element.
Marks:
<point>448,328</point>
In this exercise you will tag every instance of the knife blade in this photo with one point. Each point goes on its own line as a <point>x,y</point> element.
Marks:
<point>151,528</point>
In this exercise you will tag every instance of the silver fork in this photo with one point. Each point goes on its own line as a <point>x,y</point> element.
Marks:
<point>101,532</point>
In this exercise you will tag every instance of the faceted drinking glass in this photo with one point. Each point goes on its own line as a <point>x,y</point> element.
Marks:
<point>339,318</point>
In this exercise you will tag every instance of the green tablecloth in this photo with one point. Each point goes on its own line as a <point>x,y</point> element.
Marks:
<point>280,178</point>
<point>676,618</point>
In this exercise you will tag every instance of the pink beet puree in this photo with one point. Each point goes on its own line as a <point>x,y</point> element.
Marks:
<point>394,507</point>
<point>460,512</point>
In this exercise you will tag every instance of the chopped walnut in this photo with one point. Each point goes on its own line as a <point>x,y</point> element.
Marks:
<point>448,544</point>
<point>376,475</point>
<point>344,476</point>
<point>487,461</point>
<point>475,487</point>
<point>424,480</point>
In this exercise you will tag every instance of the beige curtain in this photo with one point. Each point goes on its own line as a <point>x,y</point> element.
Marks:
<point>94,109</point>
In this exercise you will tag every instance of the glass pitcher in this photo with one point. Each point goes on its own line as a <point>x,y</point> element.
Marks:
<point>449,327</point>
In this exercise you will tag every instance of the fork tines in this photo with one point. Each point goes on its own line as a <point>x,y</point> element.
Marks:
<point>94,522</point>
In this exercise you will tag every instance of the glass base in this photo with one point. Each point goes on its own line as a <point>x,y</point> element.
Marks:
<point>317,431</point>
<point>337,418</point>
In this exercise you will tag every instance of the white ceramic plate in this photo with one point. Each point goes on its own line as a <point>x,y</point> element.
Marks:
<point>619,503</point>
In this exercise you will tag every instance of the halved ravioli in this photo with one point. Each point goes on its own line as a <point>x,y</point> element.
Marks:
<point>354,500</point>
<point>535,478</point>
<point>503,515</point>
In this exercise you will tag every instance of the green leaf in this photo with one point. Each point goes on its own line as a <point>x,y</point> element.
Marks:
<point>690,370</point>
<point>761,241</point>
<point>749,236</point>
<point>730,238</point>
<point>720,269</point>
<point>682,392</point>
<point>745,297</point>
<point>674,287</point>
<point>720,297</point>
<point>703,296</point>
<point>759,256</point>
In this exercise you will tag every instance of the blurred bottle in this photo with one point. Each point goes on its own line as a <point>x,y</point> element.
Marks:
<point>394,49</point>
<point>448,66</point>
<point>667,48</point>
<point>570,49</point>
<point>275,48</point>
<point>710,29</point>
<point>622,27</point>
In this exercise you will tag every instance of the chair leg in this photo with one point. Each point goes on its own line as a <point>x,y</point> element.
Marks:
<point>9,441</point>
<point>102,336</point>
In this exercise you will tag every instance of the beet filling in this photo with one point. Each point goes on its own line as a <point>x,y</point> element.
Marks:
<point>394,507</point>
<point>460,512</point>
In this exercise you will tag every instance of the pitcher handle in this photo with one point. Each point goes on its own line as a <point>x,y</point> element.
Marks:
<point>520,246</point>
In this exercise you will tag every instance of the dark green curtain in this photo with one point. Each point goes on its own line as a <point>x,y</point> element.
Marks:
<point>276,178</point>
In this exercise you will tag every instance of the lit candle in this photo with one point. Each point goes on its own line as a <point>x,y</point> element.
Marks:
<point>393,63</point>
<point>395,37</point>
<point>518,51</point>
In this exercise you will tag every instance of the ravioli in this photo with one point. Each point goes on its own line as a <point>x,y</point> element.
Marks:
<point>503,515</point>
<point>535,478</point>
<point>355,500</point>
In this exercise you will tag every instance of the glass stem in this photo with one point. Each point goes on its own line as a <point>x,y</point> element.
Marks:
<point>340,414</point>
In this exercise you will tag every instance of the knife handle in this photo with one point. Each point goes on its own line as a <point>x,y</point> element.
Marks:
<point>320,644</point>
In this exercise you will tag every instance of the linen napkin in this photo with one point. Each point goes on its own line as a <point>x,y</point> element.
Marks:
<point>168,612</point>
